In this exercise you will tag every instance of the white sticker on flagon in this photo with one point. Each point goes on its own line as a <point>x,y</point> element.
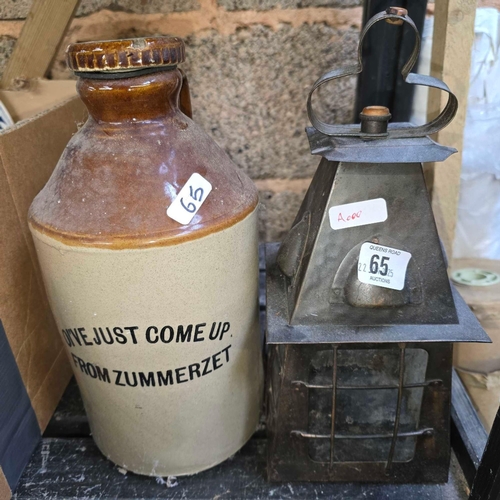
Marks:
<point>383,266</point>
<point>358,213</point>
<point>189,200</point>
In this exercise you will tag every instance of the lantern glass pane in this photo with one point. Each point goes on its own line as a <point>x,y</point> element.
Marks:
<point>367,384</point>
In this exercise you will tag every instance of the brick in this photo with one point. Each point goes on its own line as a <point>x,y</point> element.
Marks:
<point>6,47</point>
<point>277,212</point>
<point>18,9</point>
<point>249,92</point>
<point>14,9</point>
<point>284,4</point>
<point>138,6</point>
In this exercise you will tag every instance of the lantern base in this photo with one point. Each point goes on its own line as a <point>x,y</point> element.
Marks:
<point>391,418</point>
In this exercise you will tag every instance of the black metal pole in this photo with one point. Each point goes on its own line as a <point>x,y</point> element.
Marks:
<point>385,51</point>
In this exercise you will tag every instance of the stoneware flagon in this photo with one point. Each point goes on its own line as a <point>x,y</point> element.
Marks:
<point>146,234</point>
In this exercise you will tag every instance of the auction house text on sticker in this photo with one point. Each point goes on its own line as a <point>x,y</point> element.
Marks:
<point>382,266</point>
<point>359,213</point>
<point>190,199</point>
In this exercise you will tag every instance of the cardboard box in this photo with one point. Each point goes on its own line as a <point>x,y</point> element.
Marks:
<point>479,364</point>
<point>34,370</point>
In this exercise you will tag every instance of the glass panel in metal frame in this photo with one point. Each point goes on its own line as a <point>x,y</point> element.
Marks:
<point>366,403</point>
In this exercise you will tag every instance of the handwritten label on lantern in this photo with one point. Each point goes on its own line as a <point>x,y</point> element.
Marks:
<point>190,199</point>
<point>383,266</point>
<point>359,213</point>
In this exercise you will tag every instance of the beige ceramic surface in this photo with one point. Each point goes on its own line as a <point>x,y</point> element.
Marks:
<point>196,420</point>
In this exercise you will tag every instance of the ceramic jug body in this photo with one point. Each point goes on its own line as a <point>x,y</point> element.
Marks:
<point>160,318</point>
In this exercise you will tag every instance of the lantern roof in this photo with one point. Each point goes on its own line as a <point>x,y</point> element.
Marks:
<point>280,331</point>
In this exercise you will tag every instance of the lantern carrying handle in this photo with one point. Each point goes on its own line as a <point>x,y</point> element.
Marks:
<point>397,16</point>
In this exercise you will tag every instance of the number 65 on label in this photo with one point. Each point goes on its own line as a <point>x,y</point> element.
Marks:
<point>190,199</point>
<point>382,266</point>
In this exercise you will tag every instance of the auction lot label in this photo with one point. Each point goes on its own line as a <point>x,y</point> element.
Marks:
<point>383,266</point>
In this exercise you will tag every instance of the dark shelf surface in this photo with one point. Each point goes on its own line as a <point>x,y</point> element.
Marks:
<point>73,468</point>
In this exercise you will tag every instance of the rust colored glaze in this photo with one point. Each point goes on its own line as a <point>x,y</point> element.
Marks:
<point>122,170</point>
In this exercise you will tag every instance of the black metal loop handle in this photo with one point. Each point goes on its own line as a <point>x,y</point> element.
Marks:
<point>441,121</point>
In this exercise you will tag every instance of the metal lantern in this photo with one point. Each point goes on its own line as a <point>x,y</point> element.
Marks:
<point>361,315</point>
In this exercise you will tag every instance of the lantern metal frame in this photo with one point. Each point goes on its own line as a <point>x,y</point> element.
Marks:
<point>311,306</point>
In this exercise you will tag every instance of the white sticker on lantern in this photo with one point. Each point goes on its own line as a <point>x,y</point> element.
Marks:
<point>359,213</point>
<point>383,266</point>
<point>190,199</point>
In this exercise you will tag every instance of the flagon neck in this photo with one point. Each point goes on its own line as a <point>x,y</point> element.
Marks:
<point>132,96</point>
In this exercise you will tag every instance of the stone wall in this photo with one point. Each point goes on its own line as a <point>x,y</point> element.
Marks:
<point>250,64</point>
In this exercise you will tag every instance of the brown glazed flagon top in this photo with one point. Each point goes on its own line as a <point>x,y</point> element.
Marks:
<point>125,55</point>
<point>122,170</point>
